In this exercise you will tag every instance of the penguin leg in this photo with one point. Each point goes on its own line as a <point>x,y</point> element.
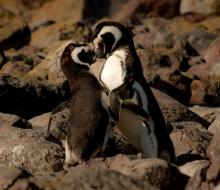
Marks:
<point>70,157</point>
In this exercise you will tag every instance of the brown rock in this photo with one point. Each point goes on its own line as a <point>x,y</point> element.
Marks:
<point>66,30</point>
<point>157,33</point>
<point>190,138</point>
<point>137,10</point>
<point>213,150</point>
<point>205,93</point>
<point>27,148</point>
<point>196,6</point>
<point>206,178</point>
<point>92,179</point>
<point>58,10</point>
<point>14,32</point>
<point>9,175</point>
<point>174,111</point>
<point>190,168</point>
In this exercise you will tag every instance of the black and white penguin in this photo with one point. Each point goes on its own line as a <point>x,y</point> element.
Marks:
<point>88,119</point>
<point>123,71</point>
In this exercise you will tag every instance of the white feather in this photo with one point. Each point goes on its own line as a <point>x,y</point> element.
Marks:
<point>113,71</point>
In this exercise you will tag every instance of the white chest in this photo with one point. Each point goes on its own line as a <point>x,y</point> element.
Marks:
<point>114,70</point>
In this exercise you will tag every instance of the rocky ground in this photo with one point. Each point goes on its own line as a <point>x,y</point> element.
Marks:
<point>178,42</point>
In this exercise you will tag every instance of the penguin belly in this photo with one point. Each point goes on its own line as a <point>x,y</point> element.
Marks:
<point>113,72</point>
<point>139,135</point>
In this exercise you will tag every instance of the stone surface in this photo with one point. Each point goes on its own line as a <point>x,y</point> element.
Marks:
<point>174,111</point>
<point>213,150</point>
<point>9,175</point>
<point>14,32</point>
<point>66,30</point>
<point>196,6</point>
<point>27,149</point>
<point>206,178</point>
<point>135,11</point>
<point>190,138</point>
<point>191,168</point>
<point>28,98</point>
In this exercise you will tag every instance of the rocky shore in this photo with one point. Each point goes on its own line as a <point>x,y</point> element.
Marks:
<point>178,42</point>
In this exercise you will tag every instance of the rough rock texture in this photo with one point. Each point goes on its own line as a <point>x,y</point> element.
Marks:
<point>27,148</point>
<point>174,111</point>
<point>135,11</point>
<point>8,176</point>
<point>190,168</point>
<point>190,138</point>
<point>206,178</point>
<point>14,32</point>
<point>197,6</point>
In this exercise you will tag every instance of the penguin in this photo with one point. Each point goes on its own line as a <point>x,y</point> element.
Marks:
<point>122,75</point>
<point>89,118</point>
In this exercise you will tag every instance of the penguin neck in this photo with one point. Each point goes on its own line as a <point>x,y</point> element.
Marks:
<point>73,71</point>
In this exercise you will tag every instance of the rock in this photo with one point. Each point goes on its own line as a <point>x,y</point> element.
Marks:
<point>41,120</point>
<point>209,69</point>
<point>28,98</point>
<point>190,138</point>
<point>27,149</point>
<point>87,179</point>
<point>162,69</point>
<point>137,10</point>
<point>198,92</point>
<point>174,111</point>
<point>8,119</point>
<point>157,172</point>
<point>191,168</point>
<point>196,6</point>
<point>213,149</point>
<point>198,39</point>
<point>14,32</point>
<point>208,113</point>
<point>214,128</point>
<point>8,176</point>
<point>205,93</point>
<point>58,10</point>
<point>157,33</point>
<point>2,59</point>
<point>206,178</point>
<point>49,70</point>
<point>66,30</point>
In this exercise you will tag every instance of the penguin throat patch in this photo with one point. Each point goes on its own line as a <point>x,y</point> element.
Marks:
<point>114,70</point>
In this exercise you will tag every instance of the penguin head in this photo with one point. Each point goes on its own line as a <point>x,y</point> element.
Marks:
<point>110,35</point>
<point>81,55</point>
